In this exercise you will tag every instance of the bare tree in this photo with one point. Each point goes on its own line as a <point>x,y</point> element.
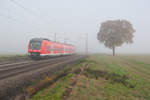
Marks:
<point>114,33</point>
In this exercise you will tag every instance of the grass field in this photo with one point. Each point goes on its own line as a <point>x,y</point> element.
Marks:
<point>4,57</point>
<point>103,77</point>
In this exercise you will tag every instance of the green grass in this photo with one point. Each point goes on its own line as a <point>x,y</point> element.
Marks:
<point>12,56</point>
<point>123,77</point>
<point>54,92</point>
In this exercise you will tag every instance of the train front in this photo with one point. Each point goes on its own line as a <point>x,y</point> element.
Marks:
<point>34,47</point>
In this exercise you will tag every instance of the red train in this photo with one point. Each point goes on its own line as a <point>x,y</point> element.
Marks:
<point>39,47</point>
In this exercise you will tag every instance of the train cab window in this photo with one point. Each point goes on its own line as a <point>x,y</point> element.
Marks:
<point>35,45</point>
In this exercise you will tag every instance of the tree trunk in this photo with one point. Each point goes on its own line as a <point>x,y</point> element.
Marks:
<point>113,50</point>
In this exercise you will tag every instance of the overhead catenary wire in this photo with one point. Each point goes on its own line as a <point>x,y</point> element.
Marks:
<point>30,11</point>
<point>85,41</point>
<point>86,44</point>
<point>21,6</point>
<point>8,17</point>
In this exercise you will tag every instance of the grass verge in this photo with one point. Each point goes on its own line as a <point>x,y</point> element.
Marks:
<point>13,57</point>
<point>101,77</point>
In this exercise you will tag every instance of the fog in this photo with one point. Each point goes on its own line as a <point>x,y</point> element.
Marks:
<point>21,20</point>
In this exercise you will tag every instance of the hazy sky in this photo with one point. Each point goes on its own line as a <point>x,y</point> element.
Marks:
<point>21,20</point>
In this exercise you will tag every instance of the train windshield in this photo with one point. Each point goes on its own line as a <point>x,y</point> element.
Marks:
<point>35,45</point>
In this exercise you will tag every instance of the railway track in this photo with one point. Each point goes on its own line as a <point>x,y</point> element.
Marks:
<point>3,66</point>
<point>14,69</point>
<point>17,60</point>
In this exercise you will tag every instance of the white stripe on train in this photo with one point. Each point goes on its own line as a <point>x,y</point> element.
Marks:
<point>58,54</point>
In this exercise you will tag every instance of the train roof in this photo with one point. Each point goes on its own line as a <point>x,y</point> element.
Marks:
<point>41,39</point>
